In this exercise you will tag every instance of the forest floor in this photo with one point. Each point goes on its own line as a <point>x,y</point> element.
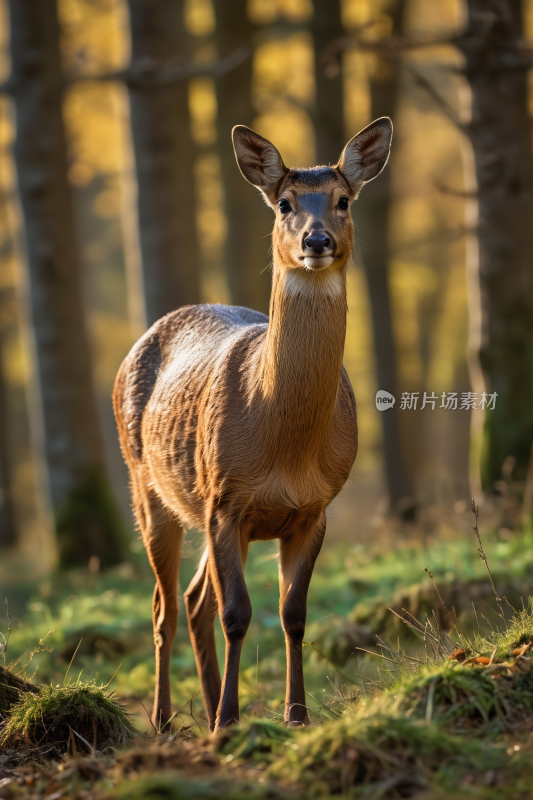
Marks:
<point>441,706</point>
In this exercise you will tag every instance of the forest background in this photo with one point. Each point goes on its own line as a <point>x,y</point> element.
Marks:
<point>128,203</point>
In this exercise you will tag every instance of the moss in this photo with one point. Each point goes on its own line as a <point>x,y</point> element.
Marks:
<point>173,786</point>
<point>518,632</point>
<point>89,524</point>
<point>50,716</point>
<point>253,740</point>
<point>374,750</point>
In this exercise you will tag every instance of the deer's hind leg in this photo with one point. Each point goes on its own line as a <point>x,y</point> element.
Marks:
<point>162,536</point>
<point>201,607</point>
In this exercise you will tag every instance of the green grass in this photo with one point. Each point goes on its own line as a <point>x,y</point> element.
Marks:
<point>349,596</point>
<point>408,722</point>
<point>86,709</point>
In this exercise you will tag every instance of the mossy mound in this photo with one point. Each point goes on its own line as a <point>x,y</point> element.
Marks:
<point>256,740</point>
<point>62,714</point>
<point>172,786</point>
<point>383,753</point>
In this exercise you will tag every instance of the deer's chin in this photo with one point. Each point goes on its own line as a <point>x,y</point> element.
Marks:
<point>318,263</point>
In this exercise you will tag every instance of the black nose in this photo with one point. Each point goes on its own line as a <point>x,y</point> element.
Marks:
<point>317,242</point>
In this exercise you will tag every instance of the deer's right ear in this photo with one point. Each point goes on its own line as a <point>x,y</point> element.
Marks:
<point>259,161</point>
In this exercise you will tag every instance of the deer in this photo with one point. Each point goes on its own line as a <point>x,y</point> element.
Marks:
<point>244,426</point>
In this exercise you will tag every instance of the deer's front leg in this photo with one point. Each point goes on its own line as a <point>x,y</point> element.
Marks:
<point>298,553</point>
<point>227,554</point>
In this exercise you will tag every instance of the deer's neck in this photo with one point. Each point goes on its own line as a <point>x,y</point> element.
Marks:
<point>301,360</point>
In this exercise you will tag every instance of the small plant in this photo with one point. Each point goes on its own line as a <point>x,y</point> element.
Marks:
<point>60,715</point>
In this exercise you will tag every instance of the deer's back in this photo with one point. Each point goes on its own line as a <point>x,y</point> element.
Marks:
<point>172,380</point>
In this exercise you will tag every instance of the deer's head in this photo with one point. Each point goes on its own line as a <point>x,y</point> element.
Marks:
<point>313,230</point>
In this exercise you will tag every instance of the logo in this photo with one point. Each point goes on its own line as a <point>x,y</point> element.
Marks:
<point>384,400</point>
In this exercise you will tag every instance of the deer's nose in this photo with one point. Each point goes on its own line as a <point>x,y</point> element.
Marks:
<point>317,242</point>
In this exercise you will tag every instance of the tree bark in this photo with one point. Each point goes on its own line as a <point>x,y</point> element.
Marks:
<point>374,227</point>
<point>164,160</point>
<point>326,27</point>
<point>8,525</point>
<point>12,687</point>
<point>86,519</point>
<point>246,252</point>
<point>500,132</point>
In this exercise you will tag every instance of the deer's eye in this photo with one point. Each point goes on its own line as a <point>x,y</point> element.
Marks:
<point>284,206</point>
<point>344,202</point>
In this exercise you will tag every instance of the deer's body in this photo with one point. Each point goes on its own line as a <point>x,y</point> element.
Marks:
<point>244,427</point>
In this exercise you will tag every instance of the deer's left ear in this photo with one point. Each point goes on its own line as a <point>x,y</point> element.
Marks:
<point>366,154</point>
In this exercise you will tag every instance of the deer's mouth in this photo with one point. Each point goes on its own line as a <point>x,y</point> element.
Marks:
<point>317,263</point>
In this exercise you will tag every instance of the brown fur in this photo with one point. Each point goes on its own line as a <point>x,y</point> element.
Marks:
<point>245,427</point>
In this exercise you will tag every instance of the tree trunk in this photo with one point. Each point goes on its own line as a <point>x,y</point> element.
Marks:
<point>86,519</point>
<point>374,227</point>
<point>8,525</point>
<point>246,257</point>
<point>12,687</point>
<point>164,160</point>
<point>326,27</point>
<point>500,133</point>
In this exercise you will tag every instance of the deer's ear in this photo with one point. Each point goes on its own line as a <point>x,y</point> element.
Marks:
<point>366,154</point>
<point>258,160</point>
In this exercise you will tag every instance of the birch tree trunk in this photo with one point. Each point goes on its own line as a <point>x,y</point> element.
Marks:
<point>246,256</point>
<point>86,519</point>
<point>500,132</point>
<point>164,160</point>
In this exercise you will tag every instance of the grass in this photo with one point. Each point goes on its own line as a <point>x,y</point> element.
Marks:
<point>80,715</point>
<point>439,712</point>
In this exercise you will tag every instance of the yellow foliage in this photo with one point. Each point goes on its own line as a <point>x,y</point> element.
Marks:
<point>199,17</point>
<point>111,339</point>
<point>203,109</point>
<point>295,10</point>
<point>93,130</point>
<point>262,12</point>
<point>94,35</point>
<point>284,68</point>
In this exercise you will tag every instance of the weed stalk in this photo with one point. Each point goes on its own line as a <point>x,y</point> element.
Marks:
<point>483,557</point>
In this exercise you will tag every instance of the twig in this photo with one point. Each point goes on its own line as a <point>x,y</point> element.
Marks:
<point>92,750</point>
<point>72,659</point>
<point>147,72</point>
<point>148,715</point>
<point>428,87</point>
<point>441,601</point>
<point>483,557</point>
<point>344,677</point>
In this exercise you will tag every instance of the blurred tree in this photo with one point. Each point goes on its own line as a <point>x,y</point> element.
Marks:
<point>164,158</point>
<point>86,519</point>
<point>500,131</point>
<point>8,526</point>
<point>327,27</point>
<point>374,225</point>
<point>246,256</point>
